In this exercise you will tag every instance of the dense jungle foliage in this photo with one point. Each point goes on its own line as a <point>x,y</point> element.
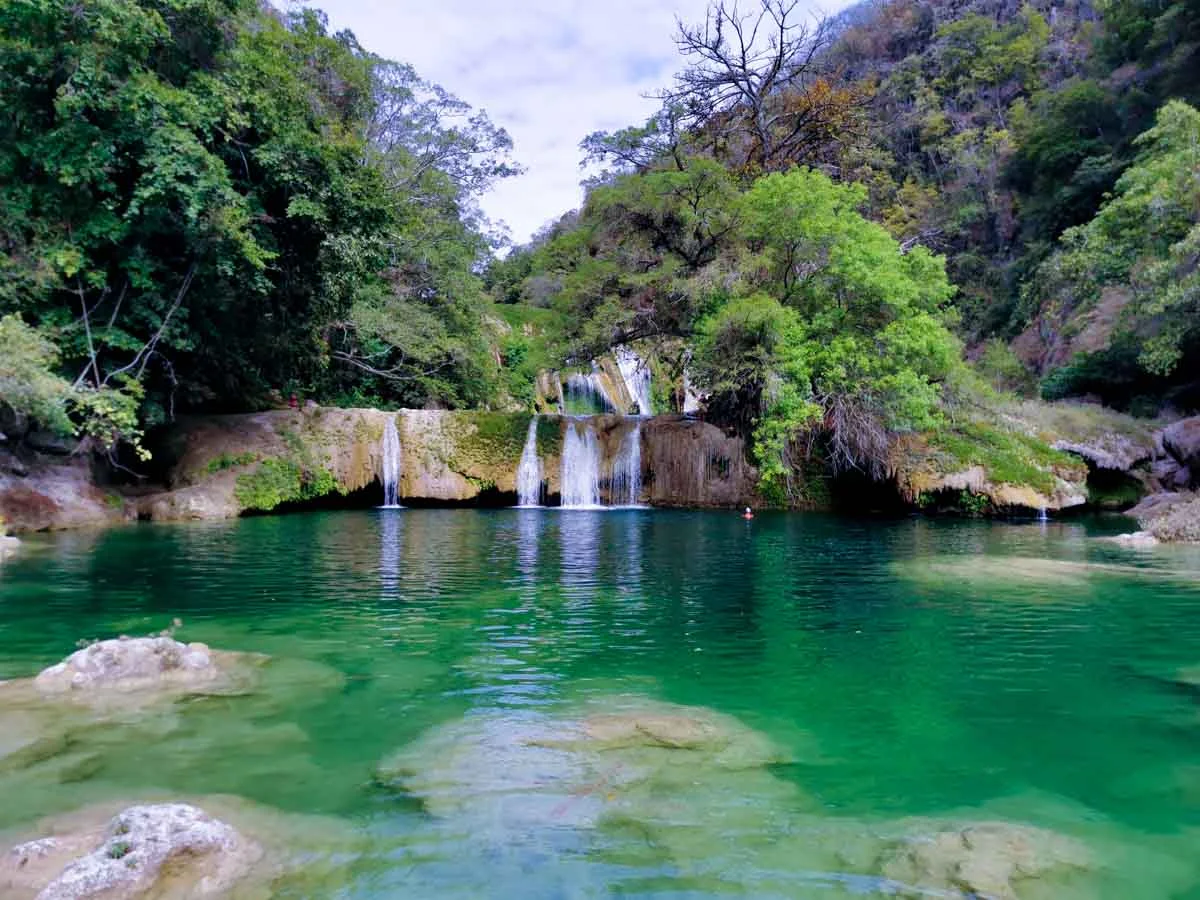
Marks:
<point>832,231</point>
<point>205,204</point>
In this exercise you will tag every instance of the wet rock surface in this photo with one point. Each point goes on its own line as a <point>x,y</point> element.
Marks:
<point>985,859</point>
<point>161,850</point>
<point>636,759</point>
<point>180,849</point>
<point>134,664</point>
<point>1137,540</point>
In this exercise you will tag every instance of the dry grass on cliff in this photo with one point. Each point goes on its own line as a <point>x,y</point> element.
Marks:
<point>1079,422</point>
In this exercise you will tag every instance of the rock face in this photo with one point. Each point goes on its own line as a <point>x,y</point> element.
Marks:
<point>921,473</point>
<point>39,493</point>
<point>1114,452</point>
<point>226,465</point>
<point>987,859</point>
<point>1170,517</point>
<point>695,464</point>
<point>1182,441</point>
<point>131,664</point>
<point>162,850</point>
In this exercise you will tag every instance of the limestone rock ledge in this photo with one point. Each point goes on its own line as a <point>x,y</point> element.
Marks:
<point>224,466</point>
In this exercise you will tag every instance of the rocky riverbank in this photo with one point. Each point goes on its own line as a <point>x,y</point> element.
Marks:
<point>1032,457</point>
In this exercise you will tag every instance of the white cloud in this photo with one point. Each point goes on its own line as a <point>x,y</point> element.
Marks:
<point>549,71</point>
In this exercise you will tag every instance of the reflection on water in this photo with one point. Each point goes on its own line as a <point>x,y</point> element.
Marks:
<point>911,669</point>
<point>389,555</point>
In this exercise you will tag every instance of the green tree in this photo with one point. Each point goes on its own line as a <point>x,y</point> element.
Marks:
<point>1144,243</point>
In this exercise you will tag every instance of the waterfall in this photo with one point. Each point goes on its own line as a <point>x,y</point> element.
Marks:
<point>529,472</point>
<point>580,466</point>
<point>391,465</point>
<point>691,399</point>
<point>586,394</point>
<point>625,486</point>
<point>636,375</point>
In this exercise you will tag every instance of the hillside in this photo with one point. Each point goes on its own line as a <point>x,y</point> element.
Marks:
<point>837,238</point>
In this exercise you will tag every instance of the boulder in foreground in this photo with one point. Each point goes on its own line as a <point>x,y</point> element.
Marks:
<point>132,664</point>
<point>161,850</point>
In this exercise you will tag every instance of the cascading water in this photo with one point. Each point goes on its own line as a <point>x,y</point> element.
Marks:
<point>625,485</point>
<point>586,394</point>
<point>580,466</point>
<point>529,472</point>
<point>391,465</point>
<point>636,375</point>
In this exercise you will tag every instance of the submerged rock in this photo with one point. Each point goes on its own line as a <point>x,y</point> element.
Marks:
<point>162,850</point>
<point>985,859</point>
<point>1137,540</point>
<point>637,759</point>
<point>8,546</point>
<point>172,848</point>
<point>134,664</point>
<point>997,572</point>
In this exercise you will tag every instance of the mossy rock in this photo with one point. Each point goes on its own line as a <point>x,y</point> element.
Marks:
<point>279,481</point>
<point>1007,456</point>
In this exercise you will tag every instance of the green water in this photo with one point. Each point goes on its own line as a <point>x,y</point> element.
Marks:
<point>969,671</point>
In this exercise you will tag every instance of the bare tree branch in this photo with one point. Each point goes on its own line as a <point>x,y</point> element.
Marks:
<point>759,79</point>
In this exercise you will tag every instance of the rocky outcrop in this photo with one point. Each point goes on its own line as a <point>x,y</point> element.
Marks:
<point>1182,441</point>
<point>985,468</point>
<point>224,466</point>
<point>39,492</point>
<point>1170,517</point>
<point>694,464</point>
<point>1172,513</point>
<point>170,849</point>
<point>1061,332</point>
<point>125,674</point>
<point>227,465</point>
<point>221,467</point>
<point>135,664</point>
<point>1115,452</point>
<point>922,485</point>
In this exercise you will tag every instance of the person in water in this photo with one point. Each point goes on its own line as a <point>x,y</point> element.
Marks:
<point>748,514</point>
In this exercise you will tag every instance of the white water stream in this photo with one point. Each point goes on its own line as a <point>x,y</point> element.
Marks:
<point>529,472</point>
<point>391,465</point>
<point>580,466</point>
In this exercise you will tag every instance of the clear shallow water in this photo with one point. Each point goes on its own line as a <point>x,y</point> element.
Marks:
<point>971,671</point>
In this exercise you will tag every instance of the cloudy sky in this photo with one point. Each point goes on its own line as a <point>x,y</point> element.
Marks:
<point>549,71</point>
